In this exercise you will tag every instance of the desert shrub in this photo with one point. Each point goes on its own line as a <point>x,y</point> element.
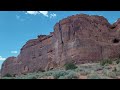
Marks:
<point>34,77</point>
<point>102,63</point>
<point>71,75</point>
<point>118,68</point>
<point>7,75</point>
<point>79,69</point>
<point>118,65</point>
<point>107,67</point>
<point>109,73</point>
<point>57,74</point>
<point>112,74</point>
<point>70,66</point>
<point>29,76</point>
<point>115,69</point>
<point>117,73</point>
<point>117,61</point>
<point>85,72</point>
<point>104,77</point>
<point>94,76</point>
<point>86,67</point>
<point>49,73</point>
<point>98,68</point>
<point>109,61</point>
<point>14,75</point>
<point>106,62</point>
<point>62,77</point>
<point>7,78</point>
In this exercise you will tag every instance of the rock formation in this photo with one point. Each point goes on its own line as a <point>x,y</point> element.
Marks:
<point>79,38</point>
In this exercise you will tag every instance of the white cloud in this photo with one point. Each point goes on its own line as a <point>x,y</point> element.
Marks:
<point>14,52</point>
<point>45,13</point>
<point>32,12</point>
<point>2,59</point>
<point>53,15</point>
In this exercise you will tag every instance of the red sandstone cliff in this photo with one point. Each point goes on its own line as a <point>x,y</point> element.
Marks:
<point>80,38</point>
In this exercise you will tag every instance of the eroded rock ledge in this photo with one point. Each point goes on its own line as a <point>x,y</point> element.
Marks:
<point>79,38</point>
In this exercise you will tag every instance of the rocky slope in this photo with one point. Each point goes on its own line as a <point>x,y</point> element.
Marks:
<point>78,39</point>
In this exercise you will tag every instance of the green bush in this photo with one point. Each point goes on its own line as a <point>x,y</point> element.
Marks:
<point>85,72</point>
<point>7,75</point>
<point>79,69</point>
<point>48,73</point>
<point>58,74</point>
<point>118,68</point>
<point>109,73</point>
<point>107,67</point>
<point>102,63</point>
<point>70,66</point>
<point>34,77</point>
<point>106,62</point>
<point>118,61</point>
<point>117,73</point>
<point>72,75</point>
<point>115,69</point>
<point>112,74</point>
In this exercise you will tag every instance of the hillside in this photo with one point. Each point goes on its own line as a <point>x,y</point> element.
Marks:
<point>78,39</point>
<point>107,69</point>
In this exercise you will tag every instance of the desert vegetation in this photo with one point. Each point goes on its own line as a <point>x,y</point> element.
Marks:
<point>106,69</point>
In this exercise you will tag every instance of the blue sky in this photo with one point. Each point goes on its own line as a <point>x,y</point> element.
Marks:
<point>17,27</point>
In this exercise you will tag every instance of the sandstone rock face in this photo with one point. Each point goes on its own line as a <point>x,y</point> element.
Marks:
<point>79,38</point>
